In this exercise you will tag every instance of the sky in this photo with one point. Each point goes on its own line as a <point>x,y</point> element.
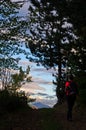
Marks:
<point>41,86</point>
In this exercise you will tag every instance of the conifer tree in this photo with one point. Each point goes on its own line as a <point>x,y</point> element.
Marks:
<point>50,35</point>
<point>77,14</point>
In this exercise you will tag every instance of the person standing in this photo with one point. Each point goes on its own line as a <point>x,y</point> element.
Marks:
<point>71,90</point>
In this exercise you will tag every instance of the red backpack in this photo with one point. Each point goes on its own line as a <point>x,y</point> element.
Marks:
<point>71,88</point>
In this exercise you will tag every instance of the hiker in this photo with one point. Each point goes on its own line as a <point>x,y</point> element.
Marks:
<point>71,90</point>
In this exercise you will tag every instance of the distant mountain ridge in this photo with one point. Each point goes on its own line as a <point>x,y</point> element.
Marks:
<point>39,105</point>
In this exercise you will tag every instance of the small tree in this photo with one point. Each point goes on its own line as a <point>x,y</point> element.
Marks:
<point>11,97</point>
<point>17,80</point>
<point>12,30</point>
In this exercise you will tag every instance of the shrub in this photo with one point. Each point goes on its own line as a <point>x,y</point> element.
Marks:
<point>82,87</point>
<point>11,101</point>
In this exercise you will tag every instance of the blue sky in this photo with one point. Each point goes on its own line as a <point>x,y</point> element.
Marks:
<point>42,87</point>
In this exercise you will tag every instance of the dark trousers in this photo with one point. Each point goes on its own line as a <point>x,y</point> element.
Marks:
<point>70,102</point>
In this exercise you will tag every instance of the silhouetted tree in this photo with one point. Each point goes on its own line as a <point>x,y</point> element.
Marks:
<point>12,30</point>
<point>50,34</point>
<point>77,14</point>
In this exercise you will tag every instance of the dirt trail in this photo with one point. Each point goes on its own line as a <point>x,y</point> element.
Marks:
<point>31,119</point>
<point>79,118</point>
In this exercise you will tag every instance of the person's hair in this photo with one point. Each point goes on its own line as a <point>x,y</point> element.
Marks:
<point>71,77</point>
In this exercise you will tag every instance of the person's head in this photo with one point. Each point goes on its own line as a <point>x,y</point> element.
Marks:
<point>71,77</point>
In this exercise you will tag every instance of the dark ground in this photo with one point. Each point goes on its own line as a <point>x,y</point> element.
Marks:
<point>79,118</point>
<point>43,119</point>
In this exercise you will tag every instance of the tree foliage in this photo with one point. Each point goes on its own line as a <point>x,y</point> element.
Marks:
<point>52,34</point>
<point>17,79</point>
<point>12,31</point>
<point>77,13</point>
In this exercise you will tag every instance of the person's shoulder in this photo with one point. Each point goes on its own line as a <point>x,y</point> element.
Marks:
<point>67,83</point>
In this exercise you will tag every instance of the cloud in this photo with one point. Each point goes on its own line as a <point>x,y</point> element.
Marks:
<point>42,94</point>
<point>41,87</point>
<point>40,80</point>
<point>17,0</point>
<point>49,102</point>
<point>32,86</point>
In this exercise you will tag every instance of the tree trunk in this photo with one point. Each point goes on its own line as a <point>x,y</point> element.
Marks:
<point>59,75</point>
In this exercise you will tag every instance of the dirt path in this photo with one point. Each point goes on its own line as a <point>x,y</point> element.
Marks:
<point>79,118</point>
<point>31,119</point>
